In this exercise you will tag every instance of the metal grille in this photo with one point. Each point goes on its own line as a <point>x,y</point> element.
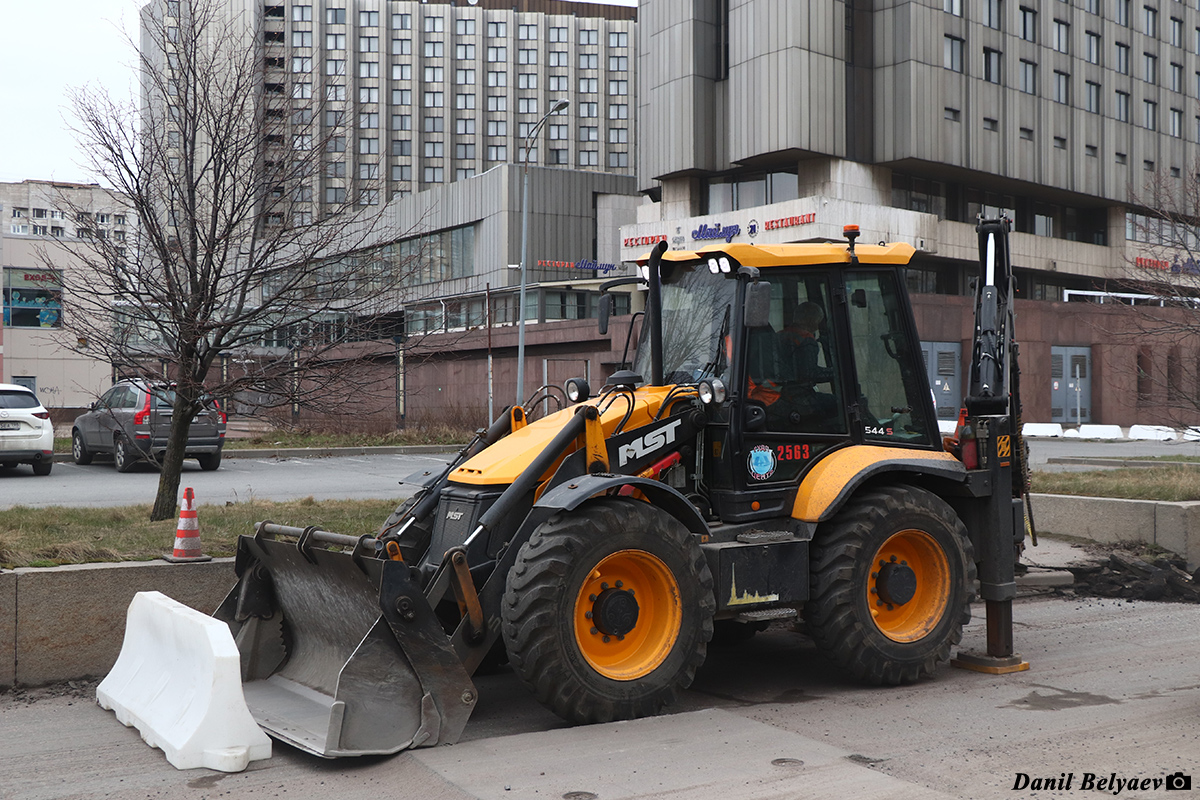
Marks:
<point>946,363</point>
<point>1056,366</point>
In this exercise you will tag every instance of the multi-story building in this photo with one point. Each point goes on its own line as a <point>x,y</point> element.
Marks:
<point>910,118</point>
<point>42,222</point>
<point>411,95</point>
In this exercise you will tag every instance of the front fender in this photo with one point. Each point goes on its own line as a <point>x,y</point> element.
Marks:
<point>831,482</point>
<point>569,496</point>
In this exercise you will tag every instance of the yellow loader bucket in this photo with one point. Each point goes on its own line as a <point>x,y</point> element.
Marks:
<point>341,654</point>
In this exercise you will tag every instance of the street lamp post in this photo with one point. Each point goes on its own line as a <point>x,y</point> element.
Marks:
<point>557,107</point>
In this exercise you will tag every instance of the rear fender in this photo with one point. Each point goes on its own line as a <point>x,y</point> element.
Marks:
<point>569,496</point>
<point>830,483</point>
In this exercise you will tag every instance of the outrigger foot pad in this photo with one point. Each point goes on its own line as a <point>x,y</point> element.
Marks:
<point>992,665</point>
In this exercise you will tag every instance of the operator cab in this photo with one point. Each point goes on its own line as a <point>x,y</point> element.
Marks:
<point>831,360</point>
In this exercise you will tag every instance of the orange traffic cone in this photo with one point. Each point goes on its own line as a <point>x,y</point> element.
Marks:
<point>187,533</point>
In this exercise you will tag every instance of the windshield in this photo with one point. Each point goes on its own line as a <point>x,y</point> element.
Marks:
<point>696,316</point>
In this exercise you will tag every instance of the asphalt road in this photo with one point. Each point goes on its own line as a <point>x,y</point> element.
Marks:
<point>238,479</point>
<point>1114,689</point>
<point>360,477</point>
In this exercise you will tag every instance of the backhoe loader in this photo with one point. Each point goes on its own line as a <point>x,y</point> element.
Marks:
<point>772,453</point>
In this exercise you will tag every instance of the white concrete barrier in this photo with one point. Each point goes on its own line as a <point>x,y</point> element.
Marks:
<point>178,681</point>
<point>1053,429</point>
<point>1152,433</point>
<point>1101,432</point>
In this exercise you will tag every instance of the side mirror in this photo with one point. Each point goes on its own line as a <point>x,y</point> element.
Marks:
<point>604,313</point>
<point>758,305</point>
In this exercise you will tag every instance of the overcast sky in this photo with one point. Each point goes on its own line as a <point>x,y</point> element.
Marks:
<point>48,47</point>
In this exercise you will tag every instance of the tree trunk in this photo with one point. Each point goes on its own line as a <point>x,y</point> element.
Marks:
<point>172,463</point>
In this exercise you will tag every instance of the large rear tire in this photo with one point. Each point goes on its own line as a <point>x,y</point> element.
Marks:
<point>893,575</point>
<point>608,611</point>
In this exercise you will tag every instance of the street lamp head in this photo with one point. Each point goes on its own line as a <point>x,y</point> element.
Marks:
<point>561,105</point>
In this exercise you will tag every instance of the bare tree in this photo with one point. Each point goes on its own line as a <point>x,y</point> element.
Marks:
<point>229,253</point>
<point>1159,294</point>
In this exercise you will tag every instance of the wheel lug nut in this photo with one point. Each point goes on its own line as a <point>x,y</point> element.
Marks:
<point>891,607</point>
<point>594,631</point>
<point>588,615</point>
<point>904,563</point>
<point>893,559</point>
<point>874,591</point>
<point>604,586</point>
<point>620,637</point>
<point>592,597</point>
<point>606,640</point>
<point>874,576</point>
<point>620,584</point>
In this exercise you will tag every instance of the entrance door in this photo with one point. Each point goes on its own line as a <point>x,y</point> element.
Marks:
<point>943,365</point>
<point>1071,385</point>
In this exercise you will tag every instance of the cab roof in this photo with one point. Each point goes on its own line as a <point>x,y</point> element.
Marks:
<point>783,255</point>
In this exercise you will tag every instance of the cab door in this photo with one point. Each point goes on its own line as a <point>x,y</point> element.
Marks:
<point>792,407</point>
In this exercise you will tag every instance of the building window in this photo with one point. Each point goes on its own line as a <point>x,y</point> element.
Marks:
<point>335,194</point>
<point>301,91</point>
<point>1122,58</point>
<point>1028,24</point>
<point>301,14</point>
<point>952,7</point>
<point>1062,36</point>
<point>990,124</point>
<point>32,297</point>
<point>1027,134</point>
<point>301,64</point>
<point>952,53</point>
<point>402,22</point>
<point>1150,21</point>
<point>497,127</point>
<point>589,158</point>
<point>1176,129</point>
<point>434,75</point>
<point>1092,47</point>
<point>497,79</point>
<point>587,110</point>
<point>527,105</point>
<point>952,114</point>
<point>497,152</point>
<point>402,172</point>
<point>497,103</point>
<point>464,101</point>
<point>368,147</point>
<point>434,175</point>
<point>1176,77</point>
<point>302,39</point>
<point>618,136</point>
<point>1150,115</point>
<point>618,88</point>
<point>464,150</point>
<point>368,94</point>
<point>589,36</point>
<point>1092,97</point>
<point>589,133</point>
<point>402,72</point>
<point>464,77</point>
<point>1091,151</point>
<point>435,25</point>
<point>618,111</point>
<point>1062,87</point>
<point>402,47</point>
<point>402,147</point>
<point>436,49</point>
<point>1060,143</point>
<point>368,44</point>
<point>527,80</point>
<point>527,57</point>
<point>464,27</point>
<point>368,19</point>
<point>527,32</point>
<point>1150,68</point>
<point>368,119</point>
<point>1028,77</point>
<point>559,83</point>
<point>558,35</point>
<point>589,85</point>
<point>618,160</point>
<point>433,149</point>
<point>368,172</point>
<point>402,97</point>
<point>1176,32</point>
<point>368,69</point>
<point>434,100</point>
<point>497,29</point>
<point>618,63</point>
<point>991,65</point>
<point>464,52</point>
<point>991,13</point>
<point>587,61</point>
<point>1122,110</point>
<point>335,66</point>
<point>559,58</point>
<point>1120,158</point>
<point>434,125</point>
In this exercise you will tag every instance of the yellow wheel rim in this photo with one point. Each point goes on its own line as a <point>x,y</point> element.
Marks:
<point>909,586</point>
<point>651,590</point>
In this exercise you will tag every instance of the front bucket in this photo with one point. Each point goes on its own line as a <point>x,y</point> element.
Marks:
<point>342,655</point>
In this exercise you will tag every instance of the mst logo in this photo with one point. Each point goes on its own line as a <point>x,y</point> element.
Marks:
<point>648,443</point>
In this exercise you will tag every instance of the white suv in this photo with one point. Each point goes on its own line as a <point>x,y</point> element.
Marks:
<point>26,432</point>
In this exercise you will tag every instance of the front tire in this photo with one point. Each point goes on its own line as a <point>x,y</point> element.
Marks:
<point>79,451</point>
<point>893,575</point>
<point>608,611</point>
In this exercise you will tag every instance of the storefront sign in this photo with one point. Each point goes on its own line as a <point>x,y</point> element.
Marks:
<point>583,263</point>
<point>1186,267</point>
<point>728,232</point>
<point>643,241</point>
<point>790,222</point>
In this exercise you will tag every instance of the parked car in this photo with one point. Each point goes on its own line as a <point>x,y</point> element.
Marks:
<point>26,432</point>
<point>132,420</point>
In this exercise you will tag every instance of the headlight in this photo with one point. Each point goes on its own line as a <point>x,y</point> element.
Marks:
<point>578,390</point>
<point>712,390</point>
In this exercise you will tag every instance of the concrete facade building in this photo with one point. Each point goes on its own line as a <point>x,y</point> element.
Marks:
<point>786,121</point>
<point>38,219</point>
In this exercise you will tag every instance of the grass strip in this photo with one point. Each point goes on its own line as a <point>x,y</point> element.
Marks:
<point>45,537</point>
<point>1166,483</point>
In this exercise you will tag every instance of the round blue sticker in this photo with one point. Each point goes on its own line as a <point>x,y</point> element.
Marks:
<point>761,462</point>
